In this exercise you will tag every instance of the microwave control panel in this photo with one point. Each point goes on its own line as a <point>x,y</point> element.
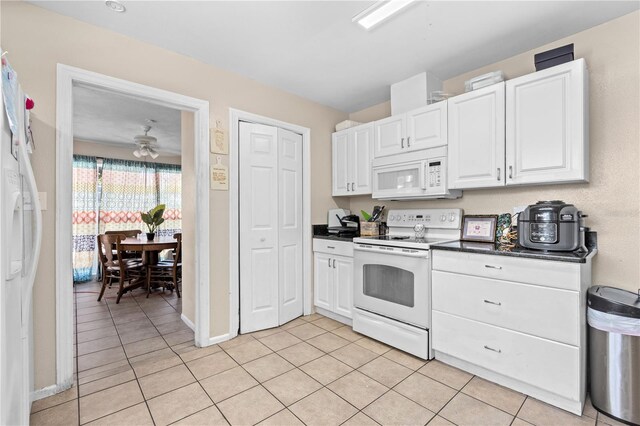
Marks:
<point>435,170</point>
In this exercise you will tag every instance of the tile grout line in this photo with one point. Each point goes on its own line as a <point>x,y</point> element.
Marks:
<point>389,389</point>
<point>302,371</point>
<point>295,367</point>
<point>186,366</point>
<point>134,374</point>
<point>77,362</point>
<point>522,405</point>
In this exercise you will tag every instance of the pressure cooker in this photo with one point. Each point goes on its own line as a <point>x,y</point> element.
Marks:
<point>552,226</point>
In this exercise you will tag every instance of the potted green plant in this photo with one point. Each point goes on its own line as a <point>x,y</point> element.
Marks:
<point>153,218</point>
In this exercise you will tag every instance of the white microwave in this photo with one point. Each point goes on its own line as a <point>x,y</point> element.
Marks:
<point>413,175</point>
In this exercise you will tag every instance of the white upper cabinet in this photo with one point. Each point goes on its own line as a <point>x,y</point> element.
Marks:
<point>360,159</point>
<point>351,160</point>
<point>547,126</point>
<point>422,128</point>
<point>339,156</point>
<point>530,130</point>
<point>389,136</point>
<point>477,138</point>
<point>427,127</point>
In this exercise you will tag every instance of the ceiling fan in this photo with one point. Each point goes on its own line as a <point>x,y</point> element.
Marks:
<point>146,145</point>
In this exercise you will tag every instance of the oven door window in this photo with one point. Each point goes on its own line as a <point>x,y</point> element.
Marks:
<point>389,283</point>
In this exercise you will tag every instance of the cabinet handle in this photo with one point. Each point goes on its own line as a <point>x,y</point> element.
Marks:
<point>498,174</point>
<point>329,262</point>
<point>510,172</point>
<point>402,143</point>
<point>493,267</point>
<point>331,247</point>
<point>353,185</point>
<point>334,264</point>
<point>491,349</point>
<point>408,140</point>
<point>492,303</point>
<point>347,186</point>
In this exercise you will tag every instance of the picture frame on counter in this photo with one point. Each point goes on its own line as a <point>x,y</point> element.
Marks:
<point>479,228</point>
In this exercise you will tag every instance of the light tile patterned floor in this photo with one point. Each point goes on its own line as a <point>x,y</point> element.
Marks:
<point>137,365</point>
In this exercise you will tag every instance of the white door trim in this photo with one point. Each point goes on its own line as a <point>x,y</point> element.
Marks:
<point>67,77</point>
<point>235,116</point>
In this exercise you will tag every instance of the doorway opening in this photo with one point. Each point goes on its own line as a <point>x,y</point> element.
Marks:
<point>197,113</point>
<point>270,222</point>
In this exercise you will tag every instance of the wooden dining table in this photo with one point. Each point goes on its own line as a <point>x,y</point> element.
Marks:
<point>150,249</point>
<point>150,252</point>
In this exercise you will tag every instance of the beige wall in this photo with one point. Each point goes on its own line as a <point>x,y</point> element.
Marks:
<point>188,216</point>
<point>58,39</point>
<point>611,198</point>
<point>97,149</point>
<point>372,113</point>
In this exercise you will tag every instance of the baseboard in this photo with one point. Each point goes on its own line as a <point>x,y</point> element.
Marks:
<point>187,321</point>
<point>334,316</point>
<point>49,390</point>
<point>218,339</point>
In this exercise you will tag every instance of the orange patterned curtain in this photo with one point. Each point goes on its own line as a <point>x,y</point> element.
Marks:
<point>129,187</point>
<point>84,220</point>
<point>169,186</point>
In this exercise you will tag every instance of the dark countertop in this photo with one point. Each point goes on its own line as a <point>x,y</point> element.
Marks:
<point>493,249</point>
<point>334,237</point>
<point>322,232</point>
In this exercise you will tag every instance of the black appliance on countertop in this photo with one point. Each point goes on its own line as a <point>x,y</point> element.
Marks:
<point>349,226</point>
<point>552,226</point>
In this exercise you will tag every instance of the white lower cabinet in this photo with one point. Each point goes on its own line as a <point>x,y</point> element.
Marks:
<point>495,318</point>
<point>333,278</point>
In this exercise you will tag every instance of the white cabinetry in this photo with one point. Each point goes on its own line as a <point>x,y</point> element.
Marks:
<point>421,128</point>
<point>547,126</point>
<point>333,278</point>
<point>518,322</point>
<point>476,138</point>
<point>351,160</point>
<point>530,130</point>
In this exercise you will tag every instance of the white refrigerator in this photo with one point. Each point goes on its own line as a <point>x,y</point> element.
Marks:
<point>20,238</point>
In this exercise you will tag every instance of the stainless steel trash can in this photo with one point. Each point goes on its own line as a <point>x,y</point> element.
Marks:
<point>613,315</point>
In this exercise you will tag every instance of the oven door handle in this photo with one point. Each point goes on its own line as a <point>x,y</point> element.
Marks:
<point>424,254</point>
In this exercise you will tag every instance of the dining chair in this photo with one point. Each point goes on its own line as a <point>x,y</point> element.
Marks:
<point>167,270</point>
<point>116,268</point>
<point>128,233</point>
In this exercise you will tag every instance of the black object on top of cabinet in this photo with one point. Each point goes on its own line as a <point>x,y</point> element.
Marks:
<point>553,57</point>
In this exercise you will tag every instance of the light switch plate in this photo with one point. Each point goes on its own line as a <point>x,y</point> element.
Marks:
<point>42,196</point>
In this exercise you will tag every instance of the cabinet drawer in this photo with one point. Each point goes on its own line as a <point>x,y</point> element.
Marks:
<point>341,248</point>
<point>544,312</point>
<point>554,367</point>
<point>531,271</point>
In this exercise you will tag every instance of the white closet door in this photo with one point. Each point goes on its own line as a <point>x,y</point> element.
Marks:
<point>290,225</point>
<point>258,227</point>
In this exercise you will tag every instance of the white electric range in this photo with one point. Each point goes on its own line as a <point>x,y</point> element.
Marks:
<point>392,277</point>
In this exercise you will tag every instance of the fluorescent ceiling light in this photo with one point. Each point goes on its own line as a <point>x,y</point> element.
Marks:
<point>380,11</point>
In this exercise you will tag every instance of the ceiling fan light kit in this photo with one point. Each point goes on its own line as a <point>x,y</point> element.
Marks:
<point>146,145</point>
<point>379,12</point>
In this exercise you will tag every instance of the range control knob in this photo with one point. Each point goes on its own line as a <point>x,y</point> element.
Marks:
<point>443,218</point>
<point>452,217</point>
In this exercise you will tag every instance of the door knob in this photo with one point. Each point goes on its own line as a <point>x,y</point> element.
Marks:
<point>263,239</point>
